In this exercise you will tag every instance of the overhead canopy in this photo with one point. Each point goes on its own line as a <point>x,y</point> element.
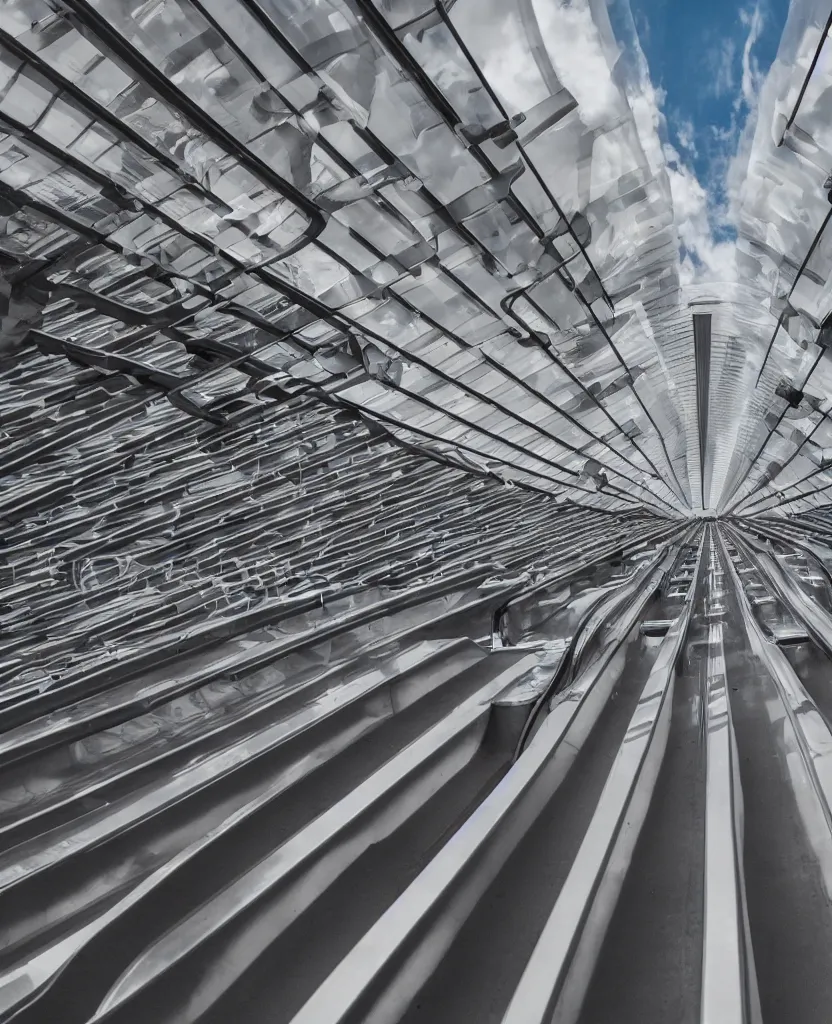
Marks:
<point>455,218</point>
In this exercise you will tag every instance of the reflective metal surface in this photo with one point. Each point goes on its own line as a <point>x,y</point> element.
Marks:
<point>415,586</point>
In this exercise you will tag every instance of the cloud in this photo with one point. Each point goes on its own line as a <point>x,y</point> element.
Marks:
<point>733,145</point>
<point>646,102</point>
<point>731,62</point>
<point>703,256</point>
<point>705,210</point>
<point>721,59</point>
<point>685,134</point>
<point>752,76</point>
<point>706,241</point>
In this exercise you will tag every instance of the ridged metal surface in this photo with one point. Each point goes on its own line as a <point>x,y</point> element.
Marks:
<point>359,838</point>
<point>366,657</point>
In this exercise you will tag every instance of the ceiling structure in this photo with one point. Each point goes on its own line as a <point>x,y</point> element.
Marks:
<point>419,211</point>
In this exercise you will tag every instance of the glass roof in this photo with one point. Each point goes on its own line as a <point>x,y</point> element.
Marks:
<point>430,212</point>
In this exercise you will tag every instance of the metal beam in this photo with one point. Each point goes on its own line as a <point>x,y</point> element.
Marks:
<point>702,356</point>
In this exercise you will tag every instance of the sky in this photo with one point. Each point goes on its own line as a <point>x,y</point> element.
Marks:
<point>708,60</point>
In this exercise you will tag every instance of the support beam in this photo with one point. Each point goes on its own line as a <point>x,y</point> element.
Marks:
<point>702,357</point>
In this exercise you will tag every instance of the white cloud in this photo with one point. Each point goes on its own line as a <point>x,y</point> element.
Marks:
<point>735,143</point>
<point>697,210</point>
<point>705,211</point>
<point>752,77</point>
<point>686,134</point>
<point>720,60</point>
<point>731,62</point>
<point>703,257</point>
<point>646,102</point>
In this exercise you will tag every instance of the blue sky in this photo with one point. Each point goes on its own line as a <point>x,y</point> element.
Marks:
<point>710,58</point>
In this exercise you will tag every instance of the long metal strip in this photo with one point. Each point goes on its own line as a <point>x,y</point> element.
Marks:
<point>702,358</point>
<point>729,988</point>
